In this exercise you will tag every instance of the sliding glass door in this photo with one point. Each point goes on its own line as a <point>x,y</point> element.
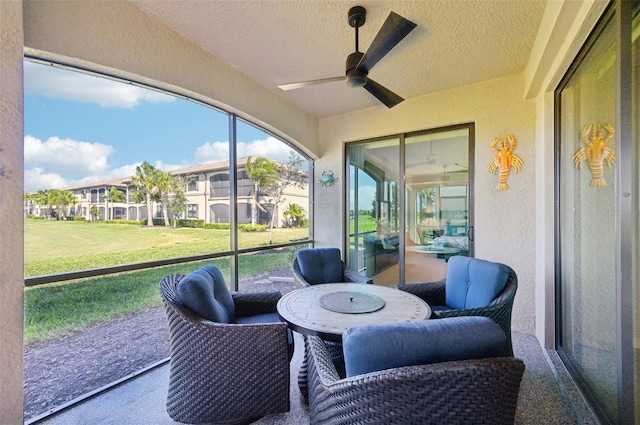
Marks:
<point>410,204</point>
<point>438,202</point>
<point>597,216</point>
<point>374,216</point>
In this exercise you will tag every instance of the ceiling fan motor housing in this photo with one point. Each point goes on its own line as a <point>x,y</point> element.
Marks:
<point>356,77</point>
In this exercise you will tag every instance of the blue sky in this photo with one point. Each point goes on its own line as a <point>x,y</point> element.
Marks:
<point>81,129</point>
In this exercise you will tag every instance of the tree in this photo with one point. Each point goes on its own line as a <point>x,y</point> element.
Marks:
<point>62,199</point>
<point>175,200</point>
<point>43,199</point>
<point>263,173</point>
<point>294,214</point>
<point>94,211</point>
<point>115,195</point>
<point>289,175</point>
<point>165,184</point>
<point>146,182</point>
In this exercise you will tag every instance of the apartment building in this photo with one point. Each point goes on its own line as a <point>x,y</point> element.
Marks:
<point>207,190</point>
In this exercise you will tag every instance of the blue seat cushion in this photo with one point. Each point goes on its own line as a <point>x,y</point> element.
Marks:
<point>321,265</point>
<point>473,283</point>
<point>258,318</point>
<point>371,348</point>
<point>205,292</point>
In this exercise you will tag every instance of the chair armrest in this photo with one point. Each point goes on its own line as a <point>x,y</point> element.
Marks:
<point>432,293</point>
<point>252,303</point>
<point>298,279</point>
<point>355,277</point>
<point>499,312</point>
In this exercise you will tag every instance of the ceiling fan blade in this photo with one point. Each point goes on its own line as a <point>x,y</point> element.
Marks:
<point>383,94</point>
<point>301,84</point>
<point>394,29</point>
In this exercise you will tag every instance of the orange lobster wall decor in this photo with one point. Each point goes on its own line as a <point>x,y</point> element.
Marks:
<point>596,151</point>
<point>503,146</point>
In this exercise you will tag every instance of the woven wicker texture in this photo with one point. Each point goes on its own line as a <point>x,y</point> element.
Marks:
<point>499,310</point>
<point>349,276</point>
<point>466,392</point>
<point>225,373</point>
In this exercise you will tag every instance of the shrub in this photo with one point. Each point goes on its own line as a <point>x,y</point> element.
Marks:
<point>133,222</point>
<point>195,224</point>
<point>219,226</point>
<point>156,222</point>
<point>252,228</point>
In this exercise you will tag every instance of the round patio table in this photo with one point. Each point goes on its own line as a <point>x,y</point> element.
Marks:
<point>328,309</point>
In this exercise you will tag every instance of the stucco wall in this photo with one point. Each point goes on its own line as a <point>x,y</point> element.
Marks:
<point>504,220</point>
<point>11,196</point>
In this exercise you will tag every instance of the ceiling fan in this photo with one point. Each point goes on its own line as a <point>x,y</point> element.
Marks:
<point>394,29</point>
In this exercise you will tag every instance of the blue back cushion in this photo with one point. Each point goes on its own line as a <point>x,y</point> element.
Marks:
<point>321,265</point>
<point>473,283</point>
<point>373,348</point>
<point>205,292</point>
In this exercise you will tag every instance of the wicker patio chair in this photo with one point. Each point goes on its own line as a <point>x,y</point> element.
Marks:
<point>499,309</point>
<point>226,373</point>
<point>323,265</point>
<point>466,392</point>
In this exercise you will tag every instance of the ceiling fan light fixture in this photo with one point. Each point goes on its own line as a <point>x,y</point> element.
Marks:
<point>445,177</point>
<point>431,158</point>
<point>356,79</point>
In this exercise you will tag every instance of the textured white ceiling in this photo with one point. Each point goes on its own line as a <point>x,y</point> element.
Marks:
<point>456,43</point>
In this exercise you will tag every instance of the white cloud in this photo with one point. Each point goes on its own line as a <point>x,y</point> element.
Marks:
<point>70,85</point>
<point>212,152</point>
<point>38,179</point>
<point>270,147</point>
<point>165,167</point>
<point>67,156</point>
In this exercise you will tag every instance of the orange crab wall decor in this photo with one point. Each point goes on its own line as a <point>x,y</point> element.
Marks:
<point>596,151</point>
<point>503,146</point>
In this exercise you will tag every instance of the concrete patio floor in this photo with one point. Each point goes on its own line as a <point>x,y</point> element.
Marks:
<point>547,396</point>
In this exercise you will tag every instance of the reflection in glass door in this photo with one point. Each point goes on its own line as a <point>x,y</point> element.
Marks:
<point>437,214</point>
<point>410,204</point>
<point>374,219</point>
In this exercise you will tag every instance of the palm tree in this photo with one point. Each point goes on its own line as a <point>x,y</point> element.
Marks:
<point>115,195</point>
<point>62,199</point>
<point>295,214</point>
<point>165,185</point>
<point>43,199</point>
<point>146,182</point>
<point>264,173</point>
<point>94,211</point>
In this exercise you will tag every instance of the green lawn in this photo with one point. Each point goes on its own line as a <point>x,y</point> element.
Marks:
<point>56,246</point>
<point>63,246</point>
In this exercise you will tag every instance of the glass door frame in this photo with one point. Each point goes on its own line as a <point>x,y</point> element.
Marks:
<point>619,14</point>
<point>470,127</point>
